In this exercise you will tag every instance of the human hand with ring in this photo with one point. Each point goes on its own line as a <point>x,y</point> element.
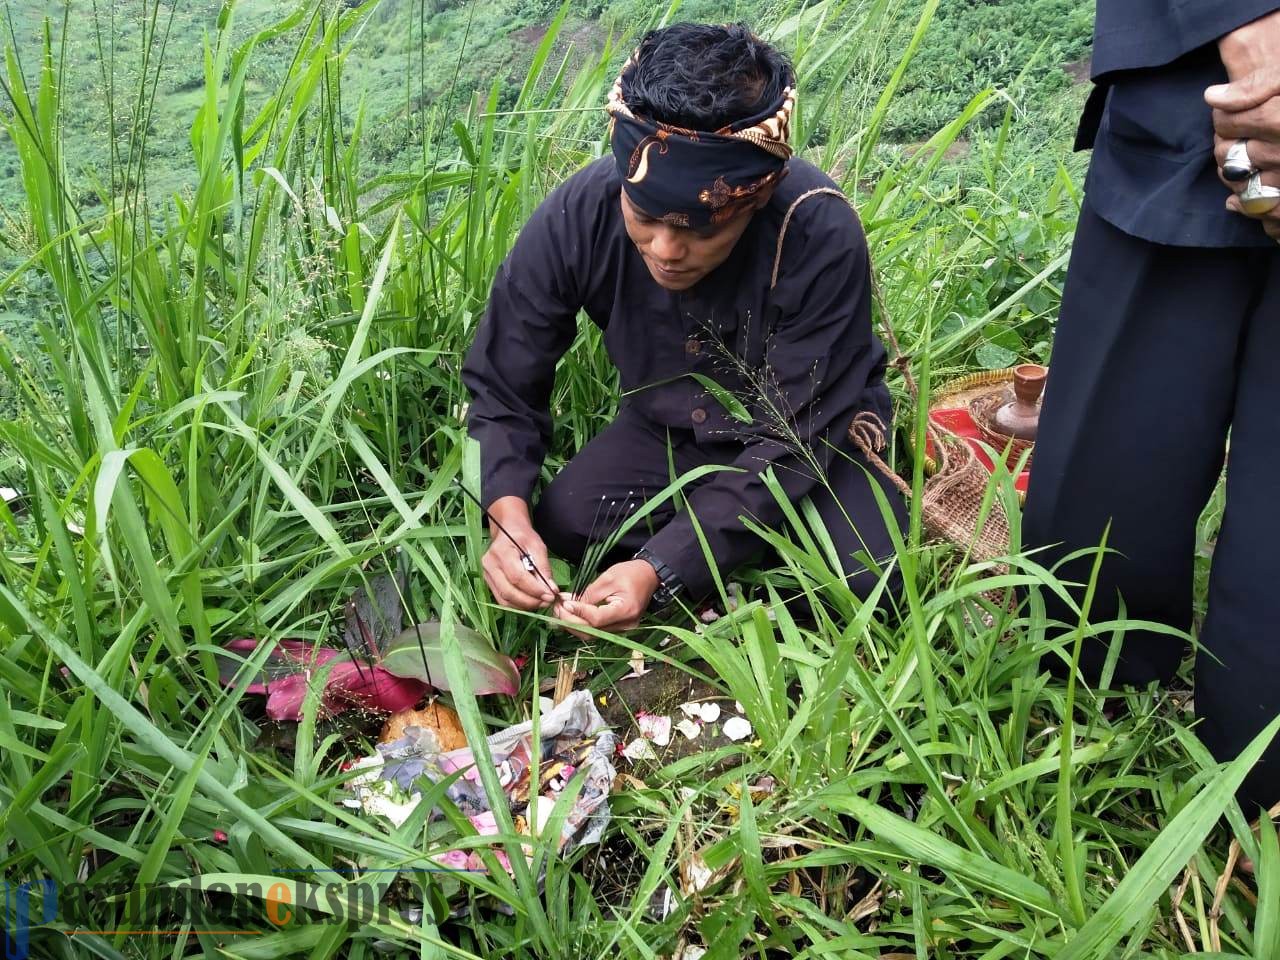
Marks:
<point>1246,121</point>
<point>516,566</point>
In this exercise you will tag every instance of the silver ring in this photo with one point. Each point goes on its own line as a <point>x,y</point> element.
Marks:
<point>1237,166</point>
<point>527,561</point>
<point>1257,198</point>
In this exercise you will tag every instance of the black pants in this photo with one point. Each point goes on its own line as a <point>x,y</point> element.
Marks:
<point>630,459</point>
<point>1161,351</point>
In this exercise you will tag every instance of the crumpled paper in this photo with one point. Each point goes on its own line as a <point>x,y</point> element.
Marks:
<point>575,741</point>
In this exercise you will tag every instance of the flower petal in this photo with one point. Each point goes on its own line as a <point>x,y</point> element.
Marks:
<point>654,727</point>
<point>736,728</point>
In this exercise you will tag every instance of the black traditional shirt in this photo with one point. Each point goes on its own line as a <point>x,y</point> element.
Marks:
<point>808,340</point>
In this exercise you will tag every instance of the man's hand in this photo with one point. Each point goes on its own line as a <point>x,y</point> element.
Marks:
<point>615,601</point>
<point>511,582</point>
<point>1248,107</point>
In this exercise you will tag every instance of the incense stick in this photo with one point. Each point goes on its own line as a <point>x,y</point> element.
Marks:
<point>598,548</point>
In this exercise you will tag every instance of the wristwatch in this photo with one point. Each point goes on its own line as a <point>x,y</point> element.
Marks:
<point>670,585</point>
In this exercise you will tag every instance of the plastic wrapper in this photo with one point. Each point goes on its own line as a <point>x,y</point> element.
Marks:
<point>575,742</point>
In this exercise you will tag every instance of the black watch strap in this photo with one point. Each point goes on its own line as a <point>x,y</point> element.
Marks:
<point>670,585</point>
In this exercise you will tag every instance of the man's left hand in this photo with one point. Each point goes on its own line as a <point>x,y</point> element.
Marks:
<point>615,601</point>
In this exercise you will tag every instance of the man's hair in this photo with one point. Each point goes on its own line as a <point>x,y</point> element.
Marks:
<point>704,77</point>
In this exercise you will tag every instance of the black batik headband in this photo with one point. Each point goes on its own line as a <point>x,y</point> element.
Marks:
<point>692,178</point>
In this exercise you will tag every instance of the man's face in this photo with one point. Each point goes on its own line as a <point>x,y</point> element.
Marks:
<point>678,257</point>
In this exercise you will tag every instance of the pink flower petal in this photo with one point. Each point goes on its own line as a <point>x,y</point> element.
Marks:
<point>453,859</point>
<point>503,859</point>
<point>485,823</point>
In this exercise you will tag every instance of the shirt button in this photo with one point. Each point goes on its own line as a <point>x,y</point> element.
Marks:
<point>699,416</point>
<point>693,346</point>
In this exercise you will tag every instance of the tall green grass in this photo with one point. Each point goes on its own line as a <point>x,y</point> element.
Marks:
<point>237,403</point>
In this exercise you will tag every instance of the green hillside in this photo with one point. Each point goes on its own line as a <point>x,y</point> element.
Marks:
<point>411,55</point>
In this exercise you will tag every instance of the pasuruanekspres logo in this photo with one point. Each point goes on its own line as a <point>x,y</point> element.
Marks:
<point>236,908</point>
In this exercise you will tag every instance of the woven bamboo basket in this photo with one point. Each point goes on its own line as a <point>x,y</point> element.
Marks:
<point>978,393</point>
<point>955,505</point>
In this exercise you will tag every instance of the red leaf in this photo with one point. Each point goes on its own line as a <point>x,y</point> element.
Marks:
<point>348,685</point>
<point>284,660</point>
<point>352,684</point>
<point>285,696</point>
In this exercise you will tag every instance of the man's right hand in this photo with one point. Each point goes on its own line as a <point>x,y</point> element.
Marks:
<point>511,582</point>
<point>1248,107</point>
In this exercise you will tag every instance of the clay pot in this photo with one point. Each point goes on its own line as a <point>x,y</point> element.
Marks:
<point>435,717</point>
<point>1020,417</point>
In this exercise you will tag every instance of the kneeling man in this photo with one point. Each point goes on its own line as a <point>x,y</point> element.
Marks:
<point>674,247</point>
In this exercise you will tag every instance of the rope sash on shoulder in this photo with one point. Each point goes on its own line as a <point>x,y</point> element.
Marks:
<point>954,502</point>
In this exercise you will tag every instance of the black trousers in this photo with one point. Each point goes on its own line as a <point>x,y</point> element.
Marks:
<point>1160,353</point>
<point>635,459</point>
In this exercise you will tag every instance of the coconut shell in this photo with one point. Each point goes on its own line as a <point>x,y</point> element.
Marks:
<point>435,717</point>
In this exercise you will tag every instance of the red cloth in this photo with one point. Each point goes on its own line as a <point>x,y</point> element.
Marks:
<point>958,421</point>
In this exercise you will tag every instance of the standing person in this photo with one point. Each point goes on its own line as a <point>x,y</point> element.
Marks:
<point>1166,344</point>
<point>671,246</point>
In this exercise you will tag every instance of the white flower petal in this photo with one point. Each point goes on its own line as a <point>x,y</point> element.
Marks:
<point>737,728</point>
<point>639,749</point>
<point>655,727</point>
<point>689,728</point>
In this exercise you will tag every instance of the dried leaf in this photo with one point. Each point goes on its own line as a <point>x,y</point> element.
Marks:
<point>627,780</point>
<point>566,676</point>
<point>696,874</point>
<point>638,669</point>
